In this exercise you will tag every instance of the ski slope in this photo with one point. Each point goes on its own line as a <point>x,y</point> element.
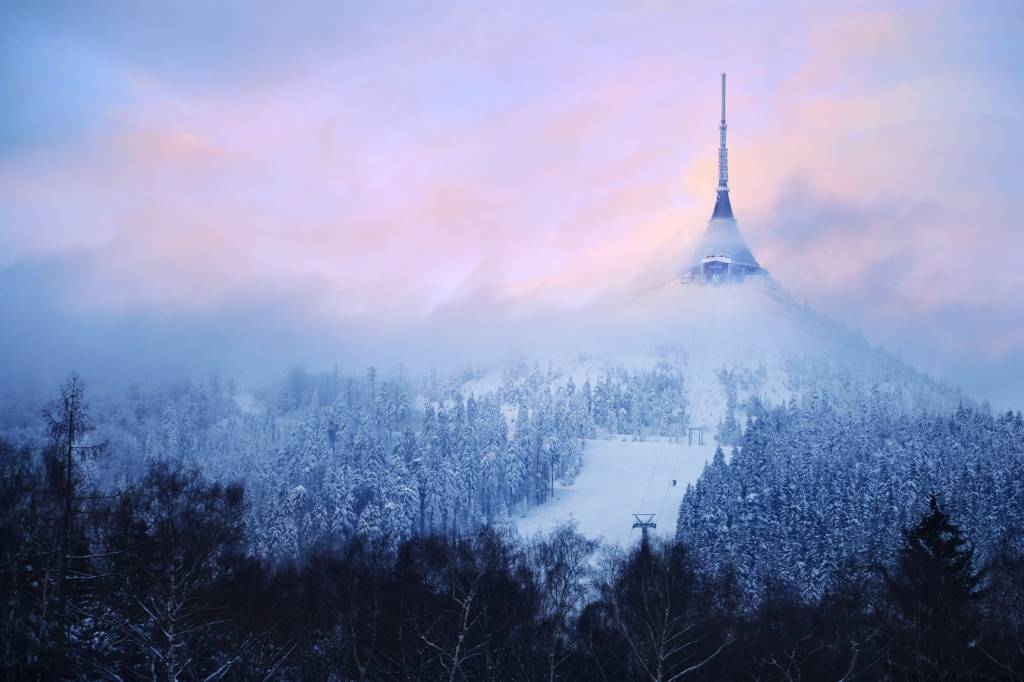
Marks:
<point>620,478</point>
<point>775,349</point>
<point>712,329</point>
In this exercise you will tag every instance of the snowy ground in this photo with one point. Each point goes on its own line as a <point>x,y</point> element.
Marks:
<point>712,328</point>
<point>755,331</point>
<point>620,478</point>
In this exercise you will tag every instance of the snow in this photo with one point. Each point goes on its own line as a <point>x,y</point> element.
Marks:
<point>620,478</point>
<point>246,402</point>
<point>485,383</point>
<point>775,350</point>
<point>748,327</point>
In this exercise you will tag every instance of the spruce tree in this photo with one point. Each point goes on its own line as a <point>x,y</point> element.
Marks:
<point>934,590</point>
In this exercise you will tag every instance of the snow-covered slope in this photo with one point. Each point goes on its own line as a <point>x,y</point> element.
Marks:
<point>621,477</point>
<point>731,343</point>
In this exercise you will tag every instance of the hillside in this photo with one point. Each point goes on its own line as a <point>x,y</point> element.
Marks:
<point>738,349</point>
<point>588,435</point>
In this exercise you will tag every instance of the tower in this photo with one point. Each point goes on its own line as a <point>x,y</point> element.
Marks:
<point>644,522</point>
<point>722,256</point>
<point>723,209</point>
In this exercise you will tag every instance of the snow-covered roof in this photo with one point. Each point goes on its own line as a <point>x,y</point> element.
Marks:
<point>723,238</point>
<point>723,207</point>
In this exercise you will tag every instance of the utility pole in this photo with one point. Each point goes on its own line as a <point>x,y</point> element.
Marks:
<point>644,522</point>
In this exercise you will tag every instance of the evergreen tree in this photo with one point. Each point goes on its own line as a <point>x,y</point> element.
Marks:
<point>934,589</point>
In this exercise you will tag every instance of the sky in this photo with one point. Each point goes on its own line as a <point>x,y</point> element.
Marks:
<point>250,185</point>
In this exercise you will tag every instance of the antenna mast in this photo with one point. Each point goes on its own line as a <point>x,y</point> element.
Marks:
<point>723,152</point>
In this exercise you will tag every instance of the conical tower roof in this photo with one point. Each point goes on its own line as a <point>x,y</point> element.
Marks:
<point>723,238</point>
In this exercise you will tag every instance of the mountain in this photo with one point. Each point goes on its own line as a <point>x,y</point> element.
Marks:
<point>739,349</point>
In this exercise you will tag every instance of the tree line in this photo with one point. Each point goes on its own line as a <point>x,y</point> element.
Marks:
<point>817,492</point>
<point>159,577</point>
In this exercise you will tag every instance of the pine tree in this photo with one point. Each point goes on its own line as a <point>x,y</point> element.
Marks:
<point>934,591</point>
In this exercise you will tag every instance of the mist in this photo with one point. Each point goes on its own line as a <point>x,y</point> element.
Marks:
<point>339,186</point>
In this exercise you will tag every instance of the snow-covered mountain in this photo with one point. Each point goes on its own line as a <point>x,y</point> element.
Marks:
<point>738,348</point>
<point>596,434</point>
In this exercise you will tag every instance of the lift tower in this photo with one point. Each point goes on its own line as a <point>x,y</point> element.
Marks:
<point>644,522</point>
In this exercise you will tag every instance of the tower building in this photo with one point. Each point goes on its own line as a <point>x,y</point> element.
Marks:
<point>722,255</point>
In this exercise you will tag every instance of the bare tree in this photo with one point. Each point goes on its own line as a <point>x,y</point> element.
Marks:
<point>655,604</point>
<point>69,423</point>
<point>562,560</point>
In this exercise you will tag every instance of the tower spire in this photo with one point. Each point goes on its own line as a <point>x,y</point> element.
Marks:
<point>723,151</point>
<point>723,209</point>
<point>722,255</point>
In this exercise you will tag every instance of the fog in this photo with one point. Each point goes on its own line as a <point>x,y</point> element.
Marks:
<point>330,185</point>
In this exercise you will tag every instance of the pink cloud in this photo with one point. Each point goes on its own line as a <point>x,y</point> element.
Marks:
<point>533,164</point>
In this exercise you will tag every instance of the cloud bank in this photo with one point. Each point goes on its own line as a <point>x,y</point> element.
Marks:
<point>311,182</point>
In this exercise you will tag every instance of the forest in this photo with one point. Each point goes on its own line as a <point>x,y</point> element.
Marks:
<point>328,455</point>
<point>833,544</point>
<point>817,491</point>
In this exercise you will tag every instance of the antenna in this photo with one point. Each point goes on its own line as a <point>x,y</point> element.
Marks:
<point>723,98</point>
<point>644,522</point>
<point>723,152</point>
